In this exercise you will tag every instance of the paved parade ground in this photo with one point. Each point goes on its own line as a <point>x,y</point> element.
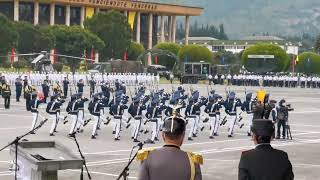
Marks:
<point>106,158</point>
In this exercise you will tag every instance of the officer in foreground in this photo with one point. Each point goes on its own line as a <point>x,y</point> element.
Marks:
<point>264,162</point>
<point>170,162</point>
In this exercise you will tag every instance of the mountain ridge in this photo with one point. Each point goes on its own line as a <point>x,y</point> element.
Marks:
<point>246,17</point>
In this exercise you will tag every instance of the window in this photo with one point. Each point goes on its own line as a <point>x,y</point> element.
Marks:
<point>6,8</point>
<point>44,14</point>
<point>26,11</point>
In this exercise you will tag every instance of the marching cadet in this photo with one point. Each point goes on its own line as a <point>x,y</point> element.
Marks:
<point>81,120</point>
<point>1,82</point>
<point>65,83</point>
<point>247,107</point>
<point>210,110</point>
<point>18,85</point>
<point>135,111</point>
<point>117,110</point>
<point>45,90</point>
<point>264,162</point>
<point>6,94</point>
<point>231,108</point>
<point>154,112</point>
<point>80,86</point>
<point>92,84</point>
<point>95,110</point>
<point>73,111</point>
<point>170,162</point>
<point>191,115</point>
<point>282,116</point>
<point>37,99</point>
<point>53,109</point>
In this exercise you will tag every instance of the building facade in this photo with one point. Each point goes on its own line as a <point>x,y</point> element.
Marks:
<point>237,46</point>
<point>150,22</point>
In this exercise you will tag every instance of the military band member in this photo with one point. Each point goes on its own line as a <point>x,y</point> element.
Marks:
<point>28,90</point>
<point>18,85</point>
<point>92,84</point>
<point>170,162</point>
<point>45,90</point>
<point>6,94</point>
<point>65,83</point>
<point>80,86</point>
<point>264,162</point>
<point>57,88</point>
<point>25,84</point>
<point>34,105</point>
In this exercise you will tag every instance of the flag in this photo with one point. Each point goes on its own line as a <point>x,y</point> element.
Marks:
<point>294,61</point>
<point>131,18</point>
<point>92,56</point>
<point>53,56</point>
<point>297,59</point>
<point>156,59</point>
<point>125,55</point>
<point>12,55</point>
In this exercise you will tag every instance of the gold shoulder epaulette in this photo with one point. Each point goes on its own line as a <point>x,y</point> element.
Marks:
<point>196,158</point>
<point>143,154</point>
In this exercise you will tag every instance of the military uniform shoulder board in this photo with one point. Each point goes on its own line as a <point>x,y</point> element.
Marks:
<point>143,154</point>
<point>245,152</point>
<point>195,158</point>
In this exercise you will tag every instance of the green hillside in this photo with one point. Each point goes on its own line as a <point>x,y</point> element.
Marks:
<point>247,17</point>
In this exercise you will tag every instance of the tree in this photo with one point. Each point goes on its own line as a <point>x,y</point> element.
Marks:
<point>75,41</point>
<point>135,50</point>
<point>8,35</point>
<point>195,53</point>
<point>113,28</point>
<point>33,39</point>
<point>278,64</point>
<point>226,57</point>
<point>164,58</point>
<point>309,63</point>
<point>317,45</point>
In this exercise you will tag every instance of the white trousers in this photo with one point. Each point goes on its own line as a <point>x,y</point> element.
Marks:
<point>155,128</point>
<point>55,121</point>
<point>80,119</point>
<point>213,124</point>
<point>118,123</point>
<point>198,124</point>
<point>250,119</point>
<point>35,117</point>
<point>233,120</point>
<point>74,123</point>
<point>53,118</point>
<point>192,123</point>
<point>95,125</point>
<point>136,128</point>
<point>218,121</point>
